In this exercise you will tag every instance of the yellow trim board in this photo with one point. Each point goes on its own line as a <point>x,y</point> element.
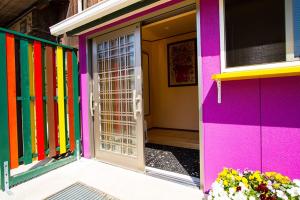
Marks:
<point>260,73</point>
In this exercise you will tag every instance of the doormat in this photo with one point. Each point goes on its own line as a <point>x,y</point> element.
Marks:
<point>174,159</point>
<point>79,191</point>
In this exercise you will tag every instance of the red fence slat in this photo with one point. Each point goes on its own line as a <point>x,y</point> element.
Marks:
<point>37,48</point>
<point>70,101</point>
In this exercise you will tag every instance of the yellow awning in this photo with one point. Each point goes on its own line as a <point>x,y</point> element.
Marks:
<point>260,73</point>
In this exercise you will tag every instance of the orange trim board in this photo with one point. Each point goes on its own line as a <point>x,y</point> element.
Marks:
<point>260,73</point>
<point>12,101</point>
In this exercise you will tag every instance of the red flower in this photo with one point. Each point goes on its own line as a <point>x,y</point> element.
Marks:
<point>263,197</point>
<point>262,188</point>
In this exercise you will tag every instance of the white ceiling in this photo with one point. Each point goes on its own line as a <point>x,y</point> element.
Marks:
<point>180,24</point>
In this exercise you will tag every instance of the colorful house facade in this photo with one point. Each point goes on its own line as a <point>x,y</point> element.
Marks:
<point>248,71</point>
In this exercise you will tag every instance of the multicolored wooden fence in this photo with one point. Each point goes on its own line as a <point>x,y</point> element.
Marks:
<point>39,105</point>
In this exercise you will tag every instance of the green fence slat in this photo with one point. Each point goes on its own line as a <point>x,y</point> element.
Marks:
<point>4,140</point>
<point>24,62</point>
<point>76,103</point>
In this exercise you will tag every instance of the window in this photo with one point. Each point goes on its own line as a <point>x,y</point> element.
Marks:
<point>258,32</point>
<point>23,26</point>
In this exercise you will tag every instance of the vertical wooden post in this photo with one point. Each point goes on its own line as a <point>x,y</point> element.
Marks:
<point>32,102</point>
<point>12,101</point>
<point>55,102</point>
<point>45,99</point>
<point>25,91</point>
<point>76,103</point>
<point>70,101</point>
<point>4,141</point>
<point>37,48</point>
<point>65,97</point>
<point>50,102</point>
<point>61,100</point>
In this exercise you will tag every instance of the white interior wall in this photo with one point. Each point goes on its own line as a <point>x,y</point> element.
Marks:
<point>170,107</point>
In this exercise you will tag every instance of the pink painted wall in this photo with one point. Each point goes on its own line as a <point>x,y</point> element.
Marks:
<point>257,126</point>
<point>84,97</point>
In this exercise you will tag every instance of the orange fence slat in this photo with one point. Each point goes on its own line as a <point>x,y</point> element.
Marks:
<point>50,102</point>
<point>12,101</point>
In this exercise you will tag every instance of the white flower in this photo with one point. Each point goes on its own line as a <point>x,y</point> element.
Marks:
<point>297,182</point>
<point>231,191</point>
<point>239,196</point>
<point>294,191</point>
<point>252,198</point>
<point>270,187</point>
<point>281,195</point>
<point>243,187</point>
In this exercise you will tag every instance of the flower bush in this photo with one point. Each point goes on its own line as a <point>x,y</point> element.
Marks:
<point>253,185</point>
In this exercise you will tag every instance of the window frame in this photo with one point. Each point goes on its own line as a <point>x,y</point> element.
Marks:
<point>289,32</point>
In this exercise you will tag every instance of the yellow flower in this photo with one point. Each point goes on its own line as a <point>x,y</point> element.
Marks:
<point>251,177</point>
<point>238,178</point>
<point>244,180</point>
<point>234,172</point>
<point>269,174</point>
<point>228,176</point>
<point>276,185</point>
<point>278,177</point>
<point>225,183</point>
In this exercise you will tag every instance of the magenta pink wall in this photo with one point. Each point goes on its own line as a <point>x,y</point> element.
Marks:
<point>84,97</point>
<point>257,126</point>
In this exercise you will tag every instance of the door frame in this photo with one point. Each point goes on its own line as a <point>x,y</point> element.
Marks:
<point>89,54</point>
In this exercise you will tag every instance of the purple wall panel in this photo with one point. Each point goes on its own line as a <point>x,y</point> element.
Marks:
<point>231,129</point>
<point>281,125</point>
<point>257,126</point>
<point>84,92</point>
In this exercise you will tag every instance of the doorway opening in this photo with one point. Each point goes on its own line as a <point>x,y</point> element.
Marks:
<point>170,93</point>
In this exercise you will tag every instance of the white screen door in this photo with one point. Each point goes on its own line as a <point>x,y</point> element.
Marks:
<point>117,91</point>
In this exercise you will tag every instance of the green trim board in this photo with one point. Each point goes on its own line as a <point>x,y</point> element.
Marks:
<point>76,104</point>
<point>111,16</point>
<point>26,129</point>
<point>20,178</point>
<point>28,37</point>
<point>4,132</point>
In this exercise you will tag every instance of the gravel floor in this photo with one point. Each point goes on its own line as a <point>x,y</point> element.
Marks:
<point>174,159</point>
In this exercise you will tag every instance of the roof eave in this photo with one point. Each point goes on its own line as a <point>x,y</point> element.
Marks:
<point>97,11</point>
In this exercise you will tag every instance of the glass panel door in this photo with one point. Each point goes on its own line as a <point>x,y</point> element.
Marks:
<point>118,116</point>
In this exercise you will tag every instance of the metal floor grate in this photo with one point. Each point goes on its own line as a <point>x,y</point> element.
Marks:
<point>79,191</point>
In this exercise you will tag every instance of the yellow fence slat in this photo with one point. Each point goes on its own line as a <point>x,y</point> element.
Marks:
<point>32,103</point>
<point>61,104</point>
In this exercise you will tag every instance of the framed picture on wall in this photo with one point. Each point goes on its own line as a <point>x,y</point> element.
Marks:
<point>182,63</point>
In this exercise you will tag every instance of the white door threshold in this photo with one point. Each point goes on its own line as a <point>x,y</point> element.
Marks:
<point>175,177</point>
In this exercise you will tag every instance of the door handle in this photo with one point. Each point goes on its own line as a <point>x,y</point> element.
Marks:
<point>136,101</point>
<point>91,104</point>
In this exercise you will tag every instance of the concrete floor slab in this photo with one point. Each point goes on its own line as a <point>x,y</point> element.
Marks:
<point>118,182</point>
